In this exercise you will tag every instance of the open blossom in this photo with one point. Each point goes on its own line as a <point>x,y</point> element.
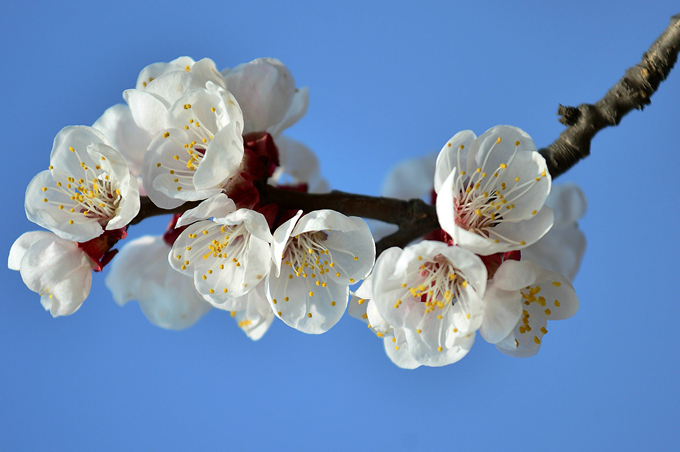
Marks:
<point>227,256</point>
<point>199,150</point>
<point>57,269</point>
<point>316,257</point>
<point>141,272</point>
<point>86,190</point>
<point>265,90</point>
<point>429,297</point>
<point>537,295</point>
<point>160,85</point>
<point>491,190</point>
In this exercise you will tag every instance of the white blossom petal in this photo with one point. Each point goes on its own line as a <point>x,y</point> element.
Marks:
<point>449,157</point>
<point>216,206</point>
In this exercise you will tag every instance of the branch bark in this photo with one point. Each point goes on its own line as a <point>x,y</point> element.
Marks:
<point>633,91</point>
<point>416,218</point>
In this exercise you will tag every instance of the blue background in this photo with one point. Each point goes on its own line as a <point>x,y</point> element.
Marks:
<point>388,81</point>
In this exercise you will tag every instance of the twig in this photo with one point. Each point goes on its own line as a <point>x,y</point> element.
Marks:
<point>632,91</point>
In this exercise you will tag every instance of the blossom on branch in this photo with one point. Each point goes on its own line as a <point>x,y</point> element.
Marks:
<point>200,148</point>
<point>227,256</point>
<point>316,258</point>
<point>57,269</point>
<point>434,293</point>
<point>265,90</point>
<point>86,190</point>
<point>491,190</point>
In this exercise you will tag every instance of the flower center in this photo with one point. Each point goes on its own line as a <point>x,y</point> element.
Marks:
<point>483,200</point>
<point>309,258</point>
<point>94,195</point>
<point>437,283</point>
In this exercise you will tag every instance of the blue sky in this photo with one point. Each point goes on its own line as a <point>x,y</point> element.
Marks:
<point>388,81</point>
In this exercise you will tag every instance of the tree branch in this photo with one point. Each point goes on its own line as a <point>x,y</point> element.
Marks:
<point>414,217</point>
<point>632,91</point>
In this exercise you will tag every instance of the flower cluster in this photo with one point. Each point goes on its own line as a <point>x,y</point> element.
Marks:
<point>206,147</point>
<point>488,269</point>
<point>190,133</point>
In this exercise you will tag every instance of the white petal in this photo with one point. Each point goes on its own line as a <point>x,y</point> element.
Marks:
<point>216,206</point>
<point>502,311</point>
<point>296,110</point>
<point>21,245</point>
<point>410,179</point>
<point>280,240</point>
<point>67,225</point>
<point>265,90</point>
<point>147,110</point>
<point>222,158</point>
<point>453,155</point>
<point>357,308</point>
<point>426,355</point>
<point>297,160</point>
<point>400,355</point>
<point>559,251</point>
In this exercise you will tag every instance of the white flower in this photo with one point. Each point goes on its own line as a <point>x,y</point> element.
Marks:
<point>491,190</point>
<point>538,295</point>
<point>86,190</point>
<point>266,91</point>
<point>316,258</point>
<point>430,295</point>
<point>141,272</point>
<point>160,85</point>
<point>200,148</point>
<point>227,256</point>
<point>59,271</point>
<point>562,248</point>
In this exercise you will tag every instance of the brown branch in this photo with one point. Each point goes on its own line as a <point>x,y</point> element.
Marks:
<point>633,91</point>
<point>414,217</point>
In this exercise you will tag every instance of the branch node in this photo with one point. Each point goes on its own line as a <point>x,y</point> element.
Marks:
<point>568,115</point>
